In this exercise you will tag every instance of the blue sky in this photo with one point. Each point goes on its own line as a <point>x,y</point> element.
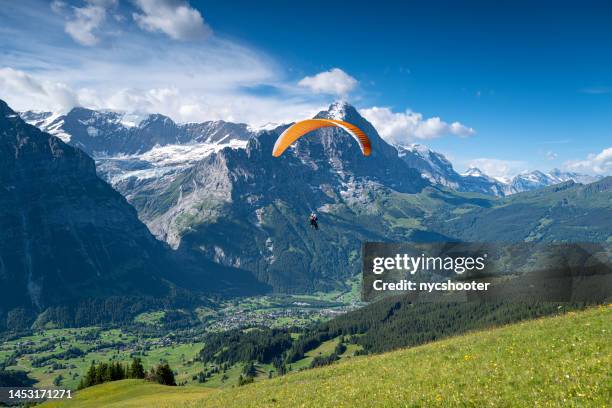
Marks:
<point>506,86</point>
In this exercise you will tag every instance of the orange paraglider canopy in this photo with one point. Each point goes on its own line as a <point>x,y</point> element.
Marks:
<point>299,129</point>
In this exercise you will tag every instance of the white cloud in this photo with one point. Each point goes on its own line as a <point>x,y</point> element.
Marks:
<point>175,18</point>
<point>550,155</point>
<point>188,81</point>
<point>595,163</point>
<point>334,82</point>
<point>406,127</point>
<point>43,95</point>
<point>186,84</point>
<point>498,167</point>
<point>84,23</point>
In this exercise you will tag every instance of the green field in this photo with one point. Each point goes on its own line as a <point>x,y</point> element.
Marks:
<point>558,361</point>
<point>113,344</point>
<point>157,343</point>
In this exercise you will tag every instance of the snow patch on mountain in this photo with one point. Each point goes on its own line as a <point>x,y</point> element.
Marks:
<point>337,110</point>
<point>50,122</point>
<point>265,127</point>
<point>161,160</point>
<point>473,172</point>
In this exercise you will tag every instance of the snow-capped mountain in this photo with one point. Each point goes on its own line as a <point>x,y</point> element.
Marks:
<point>135,152</point>
<point>437,169</point>
<point>67,235</point>
<point>532,180</point>
<point>52,202</point>
<point>109,134</point>
<point>474,172</point>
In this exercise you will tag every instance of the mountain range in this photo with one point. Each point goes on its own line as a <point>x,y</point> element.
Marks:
<point>214,189</point>
<point>438,170</point>
<point>145,146</point>
<point>67,235</point>
<point>216,197</point>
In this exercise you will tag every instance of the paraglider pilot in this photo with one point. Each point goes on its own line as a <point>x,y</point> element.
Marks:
<point>314,221</point>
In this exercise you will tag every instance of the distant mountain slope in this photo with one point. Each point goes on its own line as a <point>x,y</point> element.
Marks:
<point>567,212</point>
<point>67,235</point>
<point>533,180</point>
<point>437,169</point>
<point>558,361</point>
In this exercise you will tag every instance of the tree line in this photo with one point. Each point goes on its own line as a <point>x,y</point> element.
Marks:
<point>115,371</point>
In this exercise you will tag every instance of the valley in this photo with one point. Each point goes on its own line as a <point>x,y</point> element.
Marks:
<point>558,361</point>
<point>59,357</point>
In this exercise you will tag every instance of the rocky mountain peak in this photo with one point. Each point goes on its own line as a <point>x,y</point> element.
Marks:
<point>5,110</point>
<point>341,110</point>
<point>474,172</point>
<point>156,120</point>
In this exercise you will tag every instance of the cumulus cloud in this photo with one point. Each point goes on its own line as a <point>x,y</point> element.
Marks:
<point>497,167</point>
<point>36,93</point>
<point>333,82</point>
<point>175,18</point>
<point>595,163</point>
<point>83,23</point>
<point>550,155</point>
<point>406,127</point>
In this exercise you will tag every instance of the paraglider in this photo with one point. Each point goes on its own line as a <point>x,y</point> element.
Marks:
<point>299,129</point>
<point>314,221</point>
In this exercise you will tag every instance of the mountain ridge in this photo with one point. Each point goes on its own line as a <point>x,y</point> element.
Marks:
<point>67,235</point>
<point>107,134</point>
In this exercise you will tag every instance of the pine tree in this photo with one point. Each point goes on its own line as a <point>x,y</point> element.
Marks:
<point>136,369</point>
<point>249,369</point>
<point>164,375</point>
<point>90,377</point>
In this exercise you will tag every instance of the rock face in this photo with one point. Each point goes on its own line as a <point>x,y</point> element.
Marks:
<point>67,235</point>
<point>245,208</point>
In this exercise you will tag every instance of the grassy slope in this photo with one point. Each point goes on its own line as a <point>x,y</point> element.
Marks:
<point>132,394</point>
<point>560,361</point>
